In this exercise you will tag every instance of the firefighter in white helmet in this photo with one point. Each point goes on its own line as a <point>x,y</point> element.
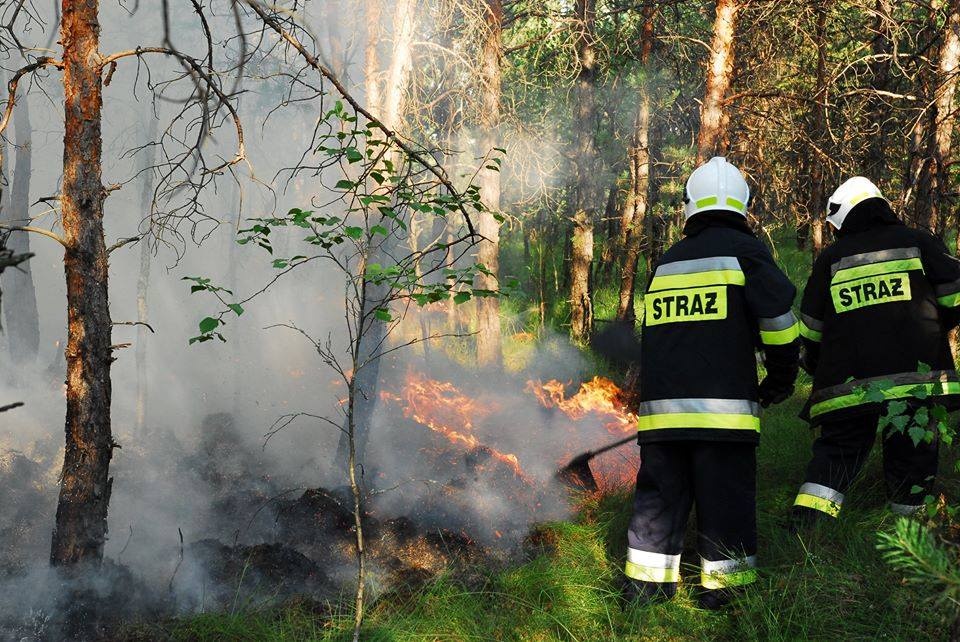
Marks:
<point>874,318</point>
<point>715,298</point>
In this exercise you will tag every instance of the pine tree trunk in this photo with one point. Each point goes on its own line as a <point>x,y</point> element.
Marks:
<point>20,313</point>
<point>875,164</point>
<point>641,225</point>
<point>81,523</point>
<point>933,183</point>
<point>581,259</point>
<point>713,117</point>
<point>818,128</point>
<point>371,342</point>
<point>489,351</point>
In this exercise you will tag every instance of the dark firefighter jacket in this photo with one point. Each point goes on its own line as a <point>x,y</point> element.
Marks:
<point>715,297</point>
<point>877,309</point>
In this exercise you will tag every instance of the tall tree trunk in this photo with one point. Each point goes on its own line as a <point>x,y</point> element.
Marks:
<point>641,225</point>
<point>713,116</point>
<point>489,351</point>
<point>393,104</point>
<point>81,524</point>
<point>20,313</point>
<point>933,184</point>
<point>584,197</point>
<point>816,204</point>
<point>143,285</point>
<point>874,163</point>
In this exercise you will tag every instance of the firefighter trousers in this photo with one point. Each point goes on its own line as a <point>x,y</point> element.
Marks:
<point>839,454</point>
<point>720,478</point>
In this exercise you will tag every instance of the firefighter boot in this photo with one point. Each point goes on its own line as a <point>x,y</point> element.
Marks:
<point>637,593</point>
<point>714,599</point>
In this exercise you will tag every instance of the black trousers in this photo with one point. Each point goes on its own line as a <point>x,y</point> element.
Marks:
<point>720,478</point>
<point>840,452</point>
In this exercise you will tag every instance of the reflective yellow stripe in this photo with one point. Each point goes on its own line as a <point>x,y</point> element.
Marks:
<point>732,202</point>
<point>718,580</point>
<point>809,333</point>
<point>651,573</point>
<point>709,200</point>
<point>949,300</point>
<point>895,392</point>
<point>780,337</point>
<point>698,279</point>
<point>872,269</point>
<point>698,420</point>
<point>818,503</point>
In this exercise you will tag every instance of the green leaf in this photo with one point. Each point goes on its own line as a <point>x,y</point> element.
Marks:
<point>461,297</point>
<point>353,232</point>
<point>343,183</point>
<point>383,315</point>
<point>917,434</point>
<point>353,155</point>
<point>208,325</point>
<point>236,307</point>
<point>923,368</point>
<point>379,229</point>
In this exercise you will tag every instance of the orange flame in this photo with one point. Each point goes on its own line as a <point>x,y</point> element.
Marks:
<point>440,406</point>
<point>599,396</point>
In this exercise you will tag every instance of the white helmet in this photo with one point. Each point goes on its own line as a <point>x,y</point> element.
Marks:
<point>852,192</point>
<point>716,185</point>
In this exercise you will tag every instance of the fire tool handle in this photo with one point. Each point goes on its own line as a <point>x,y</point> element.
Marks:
<point>615,444</point>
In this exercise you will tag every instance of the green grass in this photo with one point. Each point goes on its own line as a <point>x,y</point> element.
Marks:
<point>828,585</point>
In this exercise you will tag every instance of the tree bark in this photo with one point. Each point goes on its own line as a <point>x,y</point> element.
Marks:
<point>640,222</point>
<point>20,314</point>
<point>816,205</point>
<point>489,352</point>
<point>371,342</point>
<point>584,196</point>
<point>934,180</point>
<point>874,163</point>
<point>81,523</point>
<point>713,116</point>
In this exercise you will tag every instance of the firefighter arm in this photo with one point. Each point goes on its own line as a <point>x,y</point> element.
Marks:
<point>943,270</point>
<point>769,294</point>
<point>816,296</point>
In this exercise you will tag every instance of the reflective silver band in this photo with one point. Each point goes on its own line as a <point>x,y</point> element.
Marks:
<point>905,510</point>
<point>947,288</point>
<point>901,378</point>
<point>814,324</point>
<point>875,257</point>
<point>781,322</point>
<point>700,406</point>
<point>699,265</point>
<point>728,566</point>
<point>653,560</point>
<point>823,492</point>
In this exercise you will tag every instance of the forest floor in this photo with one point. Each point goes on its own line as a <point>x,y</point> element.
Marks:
<point>826,585</point>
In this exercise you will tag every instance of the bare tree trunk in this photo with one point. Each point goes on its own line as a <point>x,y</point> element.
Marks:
<point>818,127</point>
<point>875,159</point>
<point>713,117</point>
<point>20,314</point>
<point>143,285</point>
<point>81,524</point>
<point>581,307</point>
<point>934,180</point>
<point>639,197</point>
<point>489,351</point>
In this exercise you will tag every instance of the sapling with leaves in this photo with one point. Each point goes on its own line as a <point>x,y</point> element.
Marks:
<point>358,228</point>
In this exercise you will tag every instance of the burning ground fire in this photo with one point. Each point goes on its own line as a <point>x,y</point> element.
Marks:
<point>599,396</point>
<point>446,410</point>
